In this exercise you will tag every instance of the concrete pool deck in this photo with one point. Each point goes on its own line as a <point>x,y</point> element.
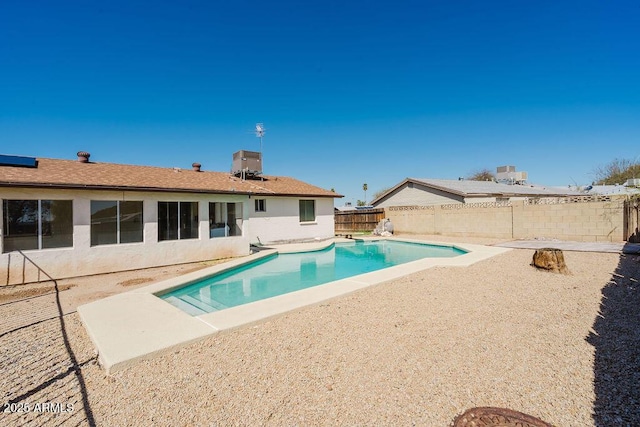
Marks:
<point>137,325</point>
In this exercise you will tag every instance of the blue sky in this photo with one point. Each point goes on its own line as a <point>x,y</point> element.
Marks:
<point>350,92</point>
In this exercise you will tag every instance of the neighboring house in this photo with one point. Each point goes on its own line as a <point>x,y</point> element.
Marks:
<point>426,192</point>
<point>74,218</point>
<point>349,208</point>
<point>629,188</point>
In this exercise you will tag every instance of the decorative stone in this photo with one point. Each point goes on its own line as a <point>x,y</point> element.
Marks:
<point>550,259</point>
<point>496,417</point>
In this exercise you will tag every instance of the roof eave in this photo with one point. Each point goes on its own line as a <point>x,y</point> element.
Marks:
<point>333,196</point>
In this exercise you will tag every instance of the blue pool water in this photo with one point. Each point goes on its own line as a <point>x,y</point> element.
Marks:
<point>284,273</point>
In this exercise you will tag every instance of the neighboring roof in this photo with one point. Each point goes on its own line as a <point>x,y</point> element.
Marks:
<point>608,190</point>
<point>54,173</point>
<point>468,188</point>
<point>353,208</point>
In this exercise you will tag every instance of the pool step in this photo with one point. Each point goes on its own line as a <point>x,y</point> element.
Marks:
<point>184,306</point>
<point>211,304</point>
<point>194,306</point>
<point>207,307</point>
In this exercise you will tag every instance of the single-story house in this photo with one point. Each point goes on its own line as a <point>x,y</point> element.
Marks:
<point>427,192</point>
<point>66,218</point>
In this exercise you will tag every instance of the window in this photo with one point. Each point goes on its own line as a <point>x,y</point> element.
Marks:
<point>104,222</point>
<point>131,225</point>
<point>225,219</point>
<point>177,220</point>
<point>37,224</point>
<point>261,205</point>
<point>116,222</point>
<point>307,210</point>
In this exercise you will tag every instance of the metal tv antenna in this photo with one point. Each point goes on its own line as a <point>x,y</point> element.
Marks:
<point>260,130</point>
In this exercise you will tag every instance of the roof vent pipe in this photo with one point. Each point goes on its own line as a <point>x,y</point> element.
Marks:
<point>196,166</point>
<point>83,156</point>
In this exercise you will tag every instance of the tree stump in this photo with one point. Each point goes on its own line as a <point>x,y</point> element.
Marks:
<point>497,417</point>
<point>550,259</point>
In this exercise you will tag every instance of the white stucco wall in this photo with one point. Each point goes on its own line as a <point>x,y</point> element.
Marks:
<point>83,259</point>
<point>281,221</point>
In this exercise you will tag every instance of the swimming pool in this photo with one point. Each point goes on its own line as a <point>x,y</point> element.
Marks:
<point>284,273</point>
<point>137,324</point>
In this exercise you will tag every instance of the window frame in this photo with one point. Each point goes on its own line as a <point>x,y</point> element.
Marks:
<point>260,205</point>
<point>118,231</point>
<point>224,215</point>
<point>179,222</point>
<point>41,243</point>
<point>303,210</point>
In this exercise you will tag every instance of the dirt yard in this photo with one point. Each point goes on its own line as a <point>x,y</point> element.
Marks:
<point>415,351</point>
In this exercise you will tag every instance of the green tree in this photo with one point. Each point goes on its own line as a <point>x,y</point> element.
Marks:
<point>482,175</point>
<point>365,187</point>
<point>361,203</point>
<point>380,193</point>
<point>618,171</point>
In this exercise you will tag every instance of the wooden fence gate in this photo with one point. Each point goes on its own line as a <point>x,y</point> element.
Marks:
<point>632,220</point>
<point>358,220</point>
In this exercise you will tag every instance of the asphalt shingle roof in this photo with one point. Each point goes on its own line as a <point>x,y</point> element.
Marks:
<point>56,173</point>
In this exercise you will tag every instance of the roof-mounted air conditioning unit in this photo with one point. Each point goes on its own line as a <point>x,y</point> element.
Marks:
<point>508,175</point>
<point>247,164</point>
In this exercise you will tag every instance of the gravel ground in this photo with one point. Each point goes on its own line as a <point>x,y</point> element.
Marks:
<point>414,351</point>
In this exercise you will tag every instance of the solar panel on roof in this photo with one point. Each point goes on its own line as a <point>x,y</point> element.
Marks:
<point>25,162</point>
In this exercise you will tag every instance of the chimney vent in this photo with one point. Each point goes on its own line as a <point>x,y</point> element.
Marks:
<point>83,156</point>
<point>196,166</point>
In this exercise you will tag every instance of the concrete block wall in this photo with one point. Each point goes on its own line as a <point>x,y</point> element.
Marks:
<point>597,221</point>
<point>475,220</point>
<point>412,219</point>
<point>582,220</point>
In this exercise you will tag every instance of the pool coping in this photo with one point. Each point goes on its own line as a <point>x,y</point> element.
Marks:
<point>137,325</point>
